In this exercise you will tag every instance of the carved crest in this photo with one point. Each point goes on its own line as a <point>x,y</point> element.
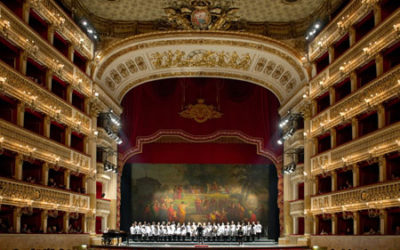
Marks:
<point>201,15</point>
<point>200,112</point>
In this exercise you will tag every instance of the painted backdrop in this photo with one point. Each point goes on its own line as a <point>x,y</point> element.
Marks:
<point>199,192</point>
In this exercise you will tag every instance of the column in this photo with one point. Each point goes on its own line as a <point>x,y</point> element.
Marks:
<point>49,79</point>
<point>382,169</point>
<point>45,174</point>
<point>17,219</point>
<point>356,223</point>
<point>20,114</point>
<point>353,81</point>
<point>68,136</point>
<point>308,184</point>
<point>334,223</point>
<point>332,95</point>
<point>23,59</point>
<point>383,216</point>
<point>86,144</point>
<point>331,52</point>
<point>334,181</point>
<point>316,224</point>
<point>381,116</point>
<point>69,93</point>
<point>314,107</point>
<point>356,175</point>
<point>71,53</point>
<point>43,219</point>
<point>84,223</point>
<point>354,127</point>
<point>86,105</point>
<point>66,222</point>
<point>352,36</point>
<point>379,64</point>
<point>377,14</point>
<point>288,220</point>
<point>46,126</point>
<point>25,11</point>
<point>67,177</point>
<point>333,137</point>
<point>295,225</point>
<point>18,166</point>
<point>50,33</point>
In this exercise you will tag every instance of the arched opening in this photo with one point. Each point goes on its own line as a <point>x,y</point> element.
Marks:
<point>195,166</point>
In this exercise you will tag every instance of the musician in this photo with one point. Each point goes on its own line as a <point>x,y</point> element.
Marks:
<point>200,230</point>
<point>189,230</point>
<point>214,232</point>
<point>258,230</point>
<point>208,231</point>
<point>233,230</point>
<point>177,232</point>
<point>132,231</point>
<point>183,232</point>
<point>138,232</point>
<point>220,231</point>
<point>194,231</point>
<point>226,232</point>
<point>253,231</point>
<point>240,235</point>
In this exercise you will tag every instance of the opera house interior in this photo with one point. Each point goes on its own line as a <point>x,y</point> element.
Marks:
<point>140,124</point>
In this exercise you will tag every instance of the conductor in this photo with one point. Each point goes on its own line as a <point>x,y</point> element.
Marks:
<point>240,235</point>
<point>200,230</point>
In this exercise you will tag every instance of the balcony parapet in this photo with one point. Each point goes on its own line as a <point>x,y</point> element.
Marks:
<point>377,196</point>
<point>298,174</point>
<point>29,195</point>
<point>376,92</point>
<point>65,25</point>
<point>24,89</point>
<point>103,139</point>
<point>370,45</point>
<point>373,145</point>
<point>39,147</point>
<point>296,140</point>
<point>297,207</point>
<point>103,206</point>
<point>23,36</point>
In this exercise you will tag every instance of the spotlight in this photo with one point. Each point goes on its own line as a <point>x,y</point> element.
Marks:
<point>95,36</point>
<point>84,23</point>
<point>279,142</point>
<point>317,25</point>
<point>90,31</point>
<point>96,94</point>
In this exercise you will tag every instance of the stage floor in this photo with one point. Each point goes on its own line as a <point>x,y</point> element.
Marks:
<point>259,244</point>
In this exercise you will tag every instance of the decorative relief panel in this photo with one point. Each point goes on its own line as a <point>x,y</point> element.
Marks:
<point>278,72</point>
<point>381,195</point>
<point>25,142</point>
<point>320,161</point>
<point>117,75</point>
<point>200,58</point>
<point>21,194</point>
<point>40,99</point>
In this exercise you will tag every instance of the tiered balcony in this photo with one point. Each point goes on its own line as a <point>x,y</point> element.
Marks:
<point>23,88</point>
<point>39,147</point>
<point>63,23</point>
<point>31,195</point>
<point>103,139</point>
<point>23,36</point>
<point>376,196</point>
<point>364,50</point>
<point>373,145</point>
<point>379,90</point>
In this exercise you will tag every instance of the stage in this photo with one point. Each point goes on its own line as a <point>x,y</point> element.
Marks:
<point>263,243</point>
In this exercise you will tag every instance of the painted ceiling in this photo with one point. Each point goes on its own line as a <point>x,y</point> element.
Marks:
<point>249,10</point>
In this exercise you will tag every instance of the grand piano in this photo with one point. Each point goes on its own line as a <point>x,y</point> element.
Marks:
<point>108,237</point>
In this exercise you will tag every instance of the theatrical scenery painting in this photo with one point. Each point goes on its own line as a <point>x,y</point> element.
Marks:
<point>199,193</point>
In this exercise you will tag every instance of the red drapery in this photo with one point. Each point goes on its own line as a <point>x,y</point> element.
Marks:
<point>247,109</point>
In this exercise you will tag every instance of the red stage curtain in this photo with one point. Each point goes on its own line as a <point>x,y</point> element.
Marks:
<point>247,108</point>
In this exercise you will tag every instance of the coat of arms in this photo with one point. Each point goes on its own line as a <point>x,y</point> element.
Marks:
<point>201,15</point>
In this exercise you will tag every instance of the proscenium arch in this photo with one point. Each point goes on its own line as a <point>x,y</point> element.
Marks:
<point>234,55</point>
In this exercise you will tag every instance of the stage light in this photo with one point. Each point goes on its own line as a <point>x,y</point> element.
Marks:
<point>84,23</point>
<point>96,94</point>
<point>90,31</point>
<point>279,142</point>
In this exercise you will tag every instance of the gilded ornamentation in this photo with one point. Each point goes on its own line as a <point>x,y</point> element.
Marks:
<point>13,191</point>
<point>357,196</point>
<point>200,112</point>
<point>201,15</point>
<point>200,58</point>
<point>123,70</point>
